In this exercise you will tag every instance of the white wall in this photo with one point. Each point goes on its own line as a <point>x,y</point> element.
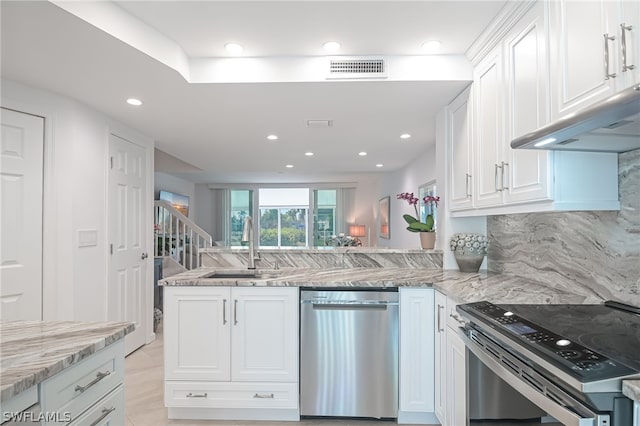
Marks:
<point>418,172</point>
<point>75,197</point>
<point>166,182</point>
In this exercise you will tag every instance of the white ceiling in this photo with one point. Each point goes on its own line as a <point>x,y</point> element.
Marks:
<point>222,128</point>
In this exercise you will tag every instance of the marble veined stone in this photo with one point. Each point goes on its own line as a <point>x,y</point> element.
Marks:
<point>594,250</point>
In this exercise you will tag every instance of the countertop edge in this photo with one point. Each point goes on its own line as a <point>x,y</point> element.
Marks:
<point>631,389</point>
<point>93,345</point>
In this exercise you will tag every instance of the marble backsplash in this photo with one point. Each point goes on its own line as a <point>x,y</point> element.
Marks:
<point>325,258</point>
<point>599,251</point>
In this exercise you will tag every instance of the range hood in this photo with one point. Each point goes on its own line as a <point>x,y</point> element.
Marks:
<point>612,125</point>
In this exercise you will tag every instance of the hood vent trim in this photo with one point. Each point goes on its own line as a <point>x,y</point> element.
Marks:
<point>353,68</point>
<point>612,125</point>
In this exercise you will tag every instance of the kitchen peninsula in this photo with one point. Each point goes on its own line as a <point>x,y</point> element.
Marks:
<point>247,367</point>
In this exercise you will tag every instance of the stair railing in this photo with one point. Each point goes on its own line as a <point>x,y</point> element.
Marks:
<point>178,236</point>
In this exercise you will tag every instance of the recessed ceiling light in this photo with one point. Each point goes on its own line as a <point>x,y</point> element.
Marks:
<point>405,136</point>
<point>134,101</point>
<point>431,46</point>
<point>234,48</point>
<point>379,165</point>
<point>309,154</point>
<point>362,153</point>
<point>272,137</point>
<point>331,46</point>
<point>289,166</point>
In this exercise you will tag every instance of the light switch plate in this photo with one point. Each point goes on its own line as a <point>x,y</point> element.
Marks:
<point>87,237</point>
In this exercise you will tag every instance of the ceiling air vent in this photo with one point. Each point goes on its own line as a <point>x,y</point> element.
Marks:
<point>340,68</point>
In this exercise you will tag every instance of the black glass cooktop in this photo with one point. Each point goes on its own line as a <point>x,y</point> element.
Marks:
<point>591,342</point>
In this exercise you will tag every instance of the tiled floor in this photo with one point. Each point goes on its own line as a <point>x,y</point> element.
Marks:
<point>144,390</point>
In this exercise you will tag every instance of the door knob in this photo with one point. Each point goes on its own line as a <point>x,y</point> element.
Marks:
<point>144,256</point>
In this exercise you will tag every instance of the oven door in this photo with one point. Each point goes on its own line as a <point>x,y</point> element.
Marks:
<point>532,385</point>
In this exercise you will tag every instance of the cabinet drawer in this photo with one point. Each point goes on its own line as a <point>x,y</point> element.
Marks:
<point>107,412</point>
<point>231,395</point>
<point>77,388</point>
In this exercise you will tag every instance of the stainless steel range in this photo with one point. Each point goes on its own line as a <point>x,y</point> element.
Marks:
<point>569,360</point>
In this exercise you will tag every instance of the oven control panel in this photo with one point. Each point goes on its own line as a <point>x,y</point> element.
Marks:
<point>578,360</point>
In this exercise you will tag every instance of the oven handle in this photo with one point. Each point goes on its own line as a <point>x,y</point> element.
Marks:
<point>564,416</point>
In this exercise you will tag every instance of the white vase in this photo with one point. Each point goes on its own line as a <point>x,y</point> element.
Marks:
<point>428,240</point>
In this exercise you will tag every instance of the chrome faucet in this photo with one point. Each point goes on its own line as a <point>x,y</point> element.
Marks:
<point>247,236</point>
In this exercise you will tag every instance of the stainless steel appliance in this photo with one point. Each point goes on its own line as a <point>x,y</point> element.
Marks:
<point>612,125</point>
<point>349,352</point>
<point>569,360</point>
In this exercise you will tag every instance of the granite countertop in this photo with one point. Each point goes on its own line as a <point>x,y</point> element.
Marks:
<point>461,287</point>
<point>33,351</point>
<point>631,389</point>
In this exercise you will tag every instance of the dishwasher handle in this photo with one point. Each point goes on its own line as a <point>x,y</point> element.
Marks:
<point>348,304</point>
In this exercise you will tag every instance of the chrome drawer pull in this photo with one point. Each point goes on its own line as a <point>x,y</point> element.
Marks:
<point>270,396</point>
<point>196,395</point>
<point>457,318</point>
<point>99,377</point>
<point>624,29</point>
<point>607,74</point>
<point>105,413</point>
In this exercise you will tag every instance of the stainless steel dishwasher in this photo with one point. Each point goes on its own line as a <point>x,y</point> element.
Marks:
<point>349,352</point>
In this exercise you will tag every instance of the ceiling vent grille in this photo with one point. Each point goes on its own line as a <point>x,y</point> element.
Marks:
<point>357,68</point>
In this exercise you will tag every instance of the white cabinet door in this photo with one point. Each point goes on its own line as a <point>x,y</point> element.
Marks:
<point>440,356</point>
<point>630,19</point>
<point>456,380</point>
<point>416,350</point>
<point>460,174</point>
<point>196,332</point>
<point>578,54</point>
<point>21,165</point>
<point>488,123</point>
<point>265,334</point>
<point>525,173</point>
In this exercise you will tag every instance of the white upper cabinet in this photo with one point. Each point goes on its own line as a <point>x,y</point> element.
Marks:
<point>460,151</point>
<point>587,51</point>
<point>525,174</point>
<point>513,88</point>
<point>488,128</point>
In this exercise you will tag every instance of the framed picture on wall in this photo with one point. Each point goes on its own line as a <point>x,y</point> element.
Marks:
<point>383,214</point>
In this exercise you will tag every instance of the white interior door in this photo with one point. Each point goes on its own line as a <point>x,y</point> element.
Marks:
<point>127,221</point>
<point>21,153</point>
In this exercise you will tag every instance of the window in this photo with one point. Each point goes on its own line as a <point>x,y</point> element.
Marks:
<point>241,207</point>
<point>423,191</point>
<point>283,217</point>
<point>324,217</point>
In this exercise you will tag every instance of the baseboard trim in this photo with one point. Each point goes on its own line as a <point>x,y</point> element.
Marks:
<point>417,418</point>
<point>233,414</point>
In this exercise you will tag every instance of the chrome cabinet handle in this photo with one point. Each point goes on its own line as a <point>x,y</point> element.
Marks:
<point>467,184</point>
<point>607,75</point>
<point>457,318</point>
<point>623,41</point>
<point>495,178</point>
<point>196,395</point>
<point>439,319</point>
<point>235,312</point>
<point>224,311</point>
<point>99,377</point>
<point>270,396</point>
<point>504,168</point>
<point>143,256</point>
<point>105,413</point>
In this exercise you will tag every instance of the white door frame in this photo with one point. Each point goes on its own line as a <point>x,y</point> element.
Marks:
<point>148,145</point>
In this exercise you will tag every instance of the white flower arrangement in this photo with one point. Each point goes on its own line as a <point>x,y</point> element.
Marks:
<point>469,244</point>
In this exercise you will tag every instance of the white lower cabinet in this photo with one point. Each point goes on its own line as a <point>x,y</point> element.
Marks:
<point>440,356</point>
<point>231,352</point>
<point>450,365</point>
<point>416,399</point>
